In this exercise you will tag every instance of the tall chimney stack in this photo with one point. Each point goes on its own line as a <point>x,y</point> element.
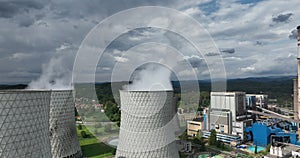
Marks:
<point>298,60</point>
<point>295,98</point>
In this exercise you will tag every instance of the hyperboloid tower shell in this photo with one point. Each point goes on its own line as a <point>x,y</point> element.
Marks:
<point>148,125</point>
<point>63,136</point>
<point>24,124</point>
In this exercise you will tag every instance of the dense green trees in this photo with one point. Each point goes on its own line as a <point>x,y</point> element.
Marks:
<point>200,141</point>
<point>280,89</point>
<point>212,140</point>
<point>83,134</point>
<point>79,127</point>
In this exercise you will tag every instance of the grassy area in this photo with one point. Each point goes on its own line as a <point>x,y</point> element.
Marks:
<point>91,147</point>
<point>182,155</point>
<point>101,133</point>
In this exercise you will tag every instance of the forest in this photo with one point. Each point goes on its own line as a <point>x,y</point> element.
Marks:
<point>279,88</point>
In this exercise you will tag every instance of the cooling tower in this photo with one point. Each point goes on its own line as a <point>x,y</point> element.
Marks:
<point>24,124</point>
<point>63,136</point>
<point>148,124</point>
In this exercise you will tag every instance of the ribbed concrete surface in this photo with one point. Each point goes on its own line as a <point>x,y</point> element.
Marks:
<point>24,124</point>
<point>148,123</point>
<point>63,136</point>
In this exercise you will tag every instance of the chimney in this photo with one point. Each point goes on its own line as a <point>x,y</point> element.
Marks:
<point>295,98</point>
<point>298,60</point>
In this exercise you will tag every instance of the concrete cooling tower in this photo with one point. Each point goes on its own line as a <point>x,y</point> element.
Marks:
<point>38,124</point>
<point>148,125</point>
<point>24,124</point>
<point>63,136</point>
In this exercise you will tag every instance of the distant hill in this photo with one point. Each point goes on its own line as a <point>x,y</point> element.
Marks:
<point>280,88</point>
<point>17,86</point>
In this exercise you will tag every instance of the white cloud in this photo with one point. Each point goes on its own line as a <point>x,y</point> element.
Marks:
<point>51,28</point>
<point>121,59</point>
<point>247,69</point>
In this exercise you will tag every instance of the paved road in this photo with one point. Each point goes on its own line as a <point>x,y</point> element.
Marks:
<point>93,123</point>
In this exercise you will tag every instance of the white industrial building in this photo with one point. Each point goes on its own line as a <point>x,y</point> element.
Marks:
<point>228,113</point>
<point>221,121</point>
<point>148,124</point>
<point>233,101</point>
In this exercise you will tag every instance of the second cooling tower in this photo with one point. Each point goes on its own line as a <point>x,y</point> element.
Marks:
<point>63,136</point>
<point>148,124</point>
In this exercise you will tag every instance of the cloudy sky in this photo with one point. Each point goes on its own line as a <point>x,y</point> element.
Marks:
<point>255,37</point>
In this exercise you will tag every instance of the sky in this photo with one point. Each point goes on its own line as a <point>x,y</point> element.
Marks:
<point>255,37</point>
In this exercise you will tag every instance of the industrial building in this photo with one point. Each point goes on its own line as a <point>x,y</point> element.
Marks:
<point>148,124</point>
<point>38,123</point>
<point>221,121</point>
<point>263,132</point>
<point>250,102</point>
<point>239,127</point>
<point>228,113</point>
<point>227,138</point>
<point>184,146</point>
<point>235,102</point>
<point>194,126</point>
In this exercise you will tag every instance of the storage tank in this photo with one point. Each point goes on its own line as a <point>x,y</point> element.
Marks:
<point>63,136</point>
<point>148,124</point>
<point>24,123</point>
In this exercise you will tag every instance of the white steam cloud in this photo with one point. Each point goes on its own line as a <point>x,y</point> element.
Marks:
<point>55,75</point>
<point>153,77</point>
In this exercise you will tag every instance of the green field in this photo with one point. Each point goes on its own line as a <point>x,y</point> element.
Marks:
<point>92,148</point>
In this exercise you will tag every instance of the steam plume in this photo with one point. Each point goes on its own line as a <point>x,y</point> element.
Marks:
<point>55,75</point>
<point>153,77</point>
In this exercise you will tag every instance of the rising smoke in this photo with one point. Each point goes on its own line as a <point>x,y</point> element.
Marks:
<point>153,77</point>
<point>55,75</point>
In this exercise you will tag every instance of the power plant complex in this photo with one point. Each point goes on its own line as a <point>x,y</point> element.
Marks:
<point>38,123</point>
<point>248,122</point>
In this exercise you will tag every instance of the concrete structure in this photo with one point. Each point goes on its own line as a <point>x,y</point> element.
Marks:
<point>227,138</point>
<point>184,146</point>
<point>298,59</point>
<point>250,101</point>
<point>261,100</point>
<point>233,101</point>
<point>277,151</point>
<point>194,126</point>
<point>228,112</point>
<point>24,124</point>
<point>239,127</point>
<point>148,124</point>
<point>296,154</point>
<point>285,151</point>
<point>63,136</point>
<point>184,117</point>
<point>295,98</point>
<point>263,133</point>
<point>38,123</point>
<point>221,121</point>
<point>297,84</point>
